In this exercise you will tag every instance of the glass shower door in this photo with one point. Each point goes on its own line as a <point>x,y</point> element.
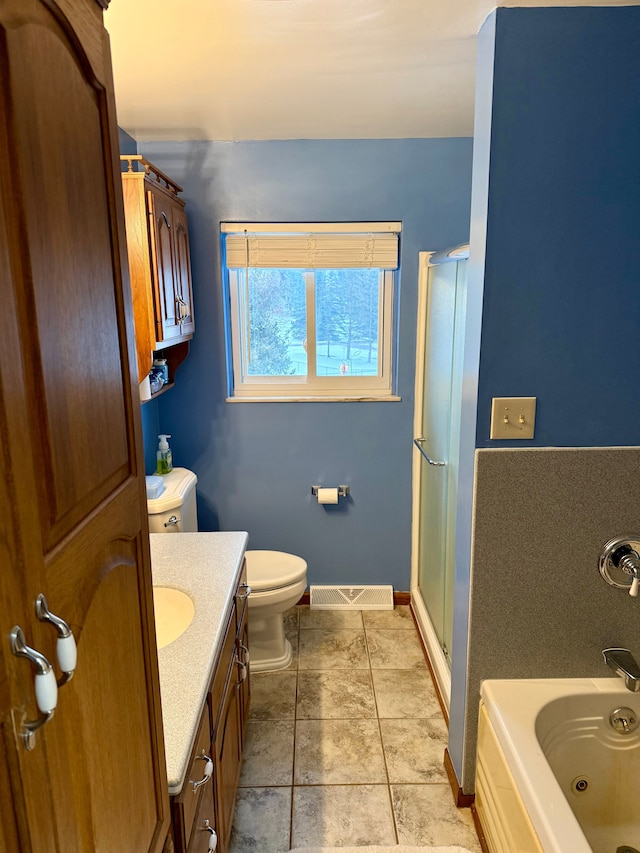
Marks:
<point>441,394</point>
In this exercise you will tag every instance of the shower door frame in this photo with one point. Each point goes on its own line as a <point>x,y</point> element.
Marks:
<point>437,659</point>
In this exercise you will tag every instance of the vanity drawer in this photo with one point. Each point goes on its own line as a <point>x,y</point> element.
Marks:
<point>225,661</point>
<point>205,818</point>
<point>186,803</point>
<point>242,597</point>
<point>244,684</point>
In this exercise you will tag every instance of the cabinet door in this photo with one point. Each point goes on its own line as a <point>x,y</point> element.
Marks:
<point>187,803</point>
<point>163,262</point>
<point>204,821</point>
<point>244,685</point>
<point>183,289</point>
<point>72,519</point>
<point>241,599</point>
<point>228,749</point>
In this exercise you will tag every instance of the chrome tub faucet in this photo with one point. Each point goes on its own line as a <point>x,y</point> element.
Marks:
<point>623,663</point>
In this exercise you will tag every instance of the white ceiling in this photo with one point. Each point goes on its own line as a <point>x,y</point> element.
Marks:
<point>298,69</point>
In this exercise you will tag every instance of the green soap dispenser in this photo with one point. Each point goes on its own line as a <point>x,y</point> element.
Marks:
<point>164,456</point>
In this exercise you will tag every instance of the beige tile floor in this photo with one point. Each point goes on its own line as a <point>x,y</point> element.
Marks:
<point>345,747</point>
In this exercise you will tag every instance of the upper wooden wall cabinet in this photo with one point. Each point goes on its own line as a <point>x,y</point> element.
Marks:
<point>159,265</point>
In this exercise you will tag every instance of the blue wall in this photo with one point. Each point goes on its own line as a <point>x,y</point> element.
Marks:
<point>127,143</point>
<point>562,270</point>
<point>256,462</point>
<point>150,431</point>
<point>553,276</point>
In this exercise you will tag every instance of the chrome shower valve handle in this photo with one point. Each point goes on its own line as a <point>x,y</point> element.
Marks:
<point>619,563</point>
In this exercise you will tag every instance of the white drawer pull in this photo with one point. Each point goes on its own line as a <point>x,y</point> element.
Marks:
<point>246,593</point>
<point>213,839</point>
<point>208,772</point>
<point>243,670</point>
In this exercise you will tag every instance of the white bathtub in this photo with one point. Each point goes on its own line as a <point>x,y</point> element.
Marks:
<point>555,735</point>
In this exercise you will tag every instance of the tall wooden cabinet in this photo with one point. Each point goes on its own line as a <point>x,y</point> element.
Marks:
<point>73,522</point>
<point>158,251</point>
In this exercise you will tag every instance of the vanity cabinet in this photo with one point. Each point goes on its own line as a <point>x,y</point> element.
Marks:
<point>220,737</point>
<point>159,263</point>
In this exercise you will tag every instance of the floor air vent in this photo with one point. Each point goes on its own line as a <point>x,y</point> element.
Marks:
<point>351,597</point>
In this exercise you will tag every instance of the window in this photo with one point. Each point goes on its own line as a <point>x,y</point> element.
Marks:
<point>311,309</point>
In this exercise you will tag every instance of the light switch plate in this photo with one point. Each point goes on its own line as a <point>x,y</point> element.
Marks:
<point>513,417</point>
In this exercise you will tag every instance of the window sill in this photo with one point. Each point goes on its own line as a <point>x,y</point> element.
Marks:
<point>293,399</point>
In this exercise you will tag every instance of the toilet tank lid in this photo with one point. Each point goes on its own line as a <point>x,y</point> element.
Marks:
<point>177,484</point>
<point>273,569</point>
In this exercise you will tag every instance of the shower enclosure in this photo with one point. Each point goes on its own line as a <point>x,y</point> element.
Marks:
<point>438,398</point>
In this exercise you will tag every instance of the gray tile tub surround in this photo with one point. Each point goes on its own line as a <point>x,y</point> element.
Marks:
<point>539,607</point>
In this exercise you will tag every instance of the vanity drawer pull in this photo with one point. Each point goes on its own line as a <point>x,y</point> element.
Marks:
<point>213,839</point>
<point>245,653</point>
<point>243,669</point>
<point>208,772</point>
<point>243,595</point>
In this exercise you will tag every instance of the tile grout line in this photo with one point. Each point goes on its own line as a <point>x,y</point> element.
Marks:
<point>384,754</point>
<point>295,728</point>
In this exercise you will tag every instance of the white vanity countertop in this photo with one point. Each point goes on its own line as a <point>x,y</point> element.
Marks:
<point>207,567</point>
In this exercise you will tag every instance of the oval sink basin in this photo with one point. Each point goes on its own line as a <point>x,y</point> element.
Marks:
<point>174,613</point>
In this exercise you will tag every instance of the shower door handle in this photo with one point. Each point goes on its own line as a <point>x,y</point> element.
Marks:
<point>418,443</point>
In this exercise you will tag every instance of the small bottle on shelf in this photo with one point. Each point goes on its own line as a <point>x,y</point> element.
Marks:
<point>163,368</point>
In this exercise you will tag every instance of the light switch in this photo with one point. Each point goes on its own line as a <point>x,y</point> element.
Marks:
<point>513,417</point>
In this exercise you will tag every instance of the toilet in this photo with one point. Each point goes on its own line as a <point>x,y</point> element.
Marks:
<point>277,579</point>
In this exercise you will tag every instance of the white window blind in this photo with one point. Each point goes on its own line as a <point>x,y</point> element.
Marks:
<point>376,249</point>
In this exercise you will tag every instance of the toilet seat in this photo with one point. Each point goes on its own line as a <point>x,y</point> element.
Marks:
<point>271,570</point>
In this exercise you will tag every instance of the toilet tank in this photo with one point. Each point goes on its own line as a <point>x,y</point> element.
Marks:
<point>175,510</point>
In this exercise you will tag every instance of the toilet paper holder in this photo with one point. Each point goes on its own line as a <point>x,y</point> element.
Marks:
<point>343,491</point>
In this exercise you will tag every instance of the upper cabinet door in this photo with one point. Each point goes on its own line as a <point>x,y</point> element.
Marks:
<point>72,512</point>
<point>164,264</point>
<point>184,295</point>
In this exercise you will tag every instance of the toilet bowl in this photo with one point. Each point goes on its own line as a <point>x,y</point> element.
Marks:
<point>277,582</point>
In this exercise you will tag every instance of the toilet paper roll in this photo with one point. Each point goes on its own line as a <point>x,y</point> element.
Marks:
<point>327,496</point>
